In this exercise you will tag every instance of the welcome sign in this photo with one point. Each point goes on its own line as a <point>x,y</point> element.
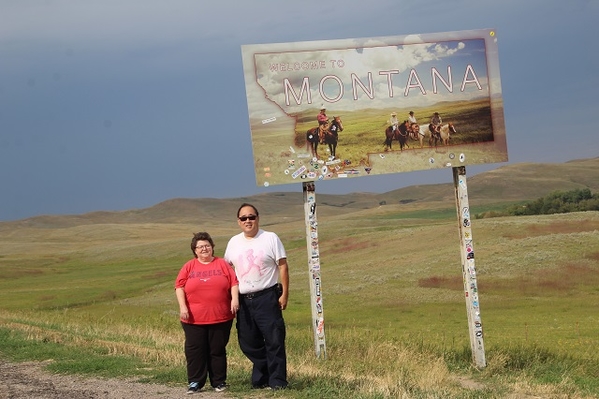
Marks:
<point>334,109</point>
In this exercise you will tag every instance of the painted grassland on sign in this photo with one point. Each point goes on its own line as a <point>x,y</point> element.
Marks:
<point>362,84</point>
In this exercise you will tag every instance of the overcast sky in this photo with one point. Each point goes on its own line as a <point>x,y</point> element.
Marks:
<point>122,104</point>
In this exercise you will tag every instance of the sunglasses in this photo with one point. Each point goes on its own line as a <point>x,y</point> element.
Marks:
<point>244,218</point>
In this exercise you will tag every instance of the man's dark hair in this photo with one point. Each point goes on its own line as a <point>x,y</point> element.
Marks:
<point>250,205</point>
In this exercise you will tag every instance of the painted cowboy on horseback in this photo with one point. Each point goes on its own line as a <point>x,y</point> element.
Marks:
<point>435,124</point>
<point>323,124</point>
<point>393,122</point>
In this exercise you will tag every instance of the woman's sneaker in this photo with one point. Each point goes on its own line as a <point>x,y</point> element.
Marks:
<point>193,387</point>
<point>221,387</point>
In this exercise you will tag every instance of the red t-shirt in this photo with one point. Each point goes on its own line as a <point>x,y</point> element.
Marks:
<point>207,290</point>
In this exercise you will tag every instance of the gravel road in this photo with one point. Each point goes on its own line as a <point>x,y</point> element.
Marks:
<point>29,380</point>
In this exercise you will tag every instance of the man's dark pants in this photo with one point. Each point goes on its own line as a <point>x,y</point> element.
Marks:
<point>261,334</point>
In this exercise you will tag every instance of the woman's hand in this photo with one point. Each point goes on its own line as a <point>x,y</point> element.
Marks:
<point>184,314</point>
<point>234,305</point>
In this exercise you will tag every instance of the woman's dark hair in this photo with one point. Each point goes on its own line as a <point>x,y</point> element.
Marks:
<point>250,205</point>
<point>201,236</point>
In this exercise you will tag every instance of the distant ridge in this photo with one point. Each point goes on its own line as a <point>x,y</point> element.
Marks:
<point>510,183</point>
<point>517,182</point>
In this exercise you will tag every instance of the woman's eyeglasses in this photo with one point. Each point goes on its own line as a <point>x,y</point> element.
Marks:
<point>251,217</point>
<point>203,246</point>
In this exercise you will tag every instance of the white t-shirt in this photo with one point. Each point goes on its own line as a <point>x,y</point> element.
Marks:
<point>255,260</point>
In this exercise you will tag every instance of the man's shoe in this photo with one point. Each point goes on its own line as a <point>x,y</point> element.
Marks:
<point>221,387</point>
<point>260,386</point>
<point>193,387</point>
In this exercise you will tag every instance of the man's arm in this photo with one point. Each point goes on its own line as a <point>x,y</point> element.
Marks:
<point>284,279</point>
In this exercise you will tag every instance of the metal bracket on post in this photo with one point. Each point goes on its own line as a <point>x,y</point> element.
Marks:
<point>314,269</point>
<point>475,325</point>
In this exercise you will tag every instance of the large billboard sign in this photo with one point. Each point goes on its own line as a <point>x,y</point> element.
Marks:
<point>345,108</point>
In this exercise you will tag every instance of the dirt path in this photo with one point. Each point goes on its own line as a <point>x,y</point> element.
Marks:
<point>29,380</point>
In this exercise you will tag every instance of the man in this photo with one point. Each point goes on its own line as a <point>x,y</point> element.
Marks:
<point>412,118</point>
<point>260,261</point>
<point>435,125</point>
<point>436,121</point>
<point>323,121</point>
<point>414,127</point>
<point>393,121</point>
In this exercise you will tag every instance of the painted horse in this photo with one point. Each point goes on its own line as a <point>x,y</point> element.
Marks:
<point>401,134</point>
<point>331,137</point>
<point>419,133</point>
<point>415,134</point>
<point>441,134</point>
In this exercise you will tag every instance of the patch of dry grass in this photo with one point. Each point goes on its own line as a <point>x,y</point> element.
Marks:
<point>563,227</point>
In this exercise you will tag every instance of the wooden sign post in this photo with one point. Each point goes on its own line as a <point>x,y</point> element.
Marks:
<point>475,325</point>
<point>314,269</point>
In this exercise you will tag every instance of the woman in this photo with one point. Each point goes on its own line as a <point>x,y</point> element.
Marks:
<point>208,294</point>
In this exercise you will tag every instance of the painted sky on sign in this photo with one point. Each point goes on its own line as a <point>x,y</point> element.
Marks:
<point>122,104</point>
<point>375,59</point>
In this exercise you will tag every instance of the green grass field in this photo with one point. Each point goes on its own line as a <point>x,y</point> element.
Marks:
<point>98,299</point>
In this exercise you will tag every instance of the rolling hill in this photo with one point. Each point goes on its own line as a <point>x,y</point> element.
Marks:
<point>506,184</point>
